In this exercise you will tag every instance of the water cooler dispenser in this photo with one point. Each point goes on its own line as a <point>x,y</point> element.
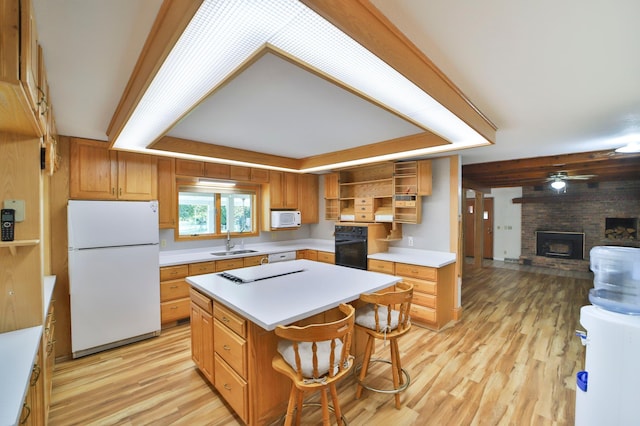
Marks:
<point>608,389</point>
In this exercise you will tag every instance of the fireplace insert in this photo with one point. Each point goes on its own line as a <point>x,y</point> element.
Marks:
<point>566,245</point>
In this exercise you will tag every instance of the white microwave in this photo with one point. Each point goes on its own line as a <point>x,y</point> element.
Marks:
<point>285,219</point>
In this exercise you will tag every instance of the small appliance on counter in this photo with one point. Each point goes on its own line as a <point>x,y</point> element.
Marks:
<point>607,388</point>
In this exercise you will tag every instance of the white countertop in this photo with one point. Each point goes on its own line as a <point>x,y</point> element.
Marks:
<point>434,259</point>
<point>178,257</point>
<point>289,298</point>
<point>18,350</point>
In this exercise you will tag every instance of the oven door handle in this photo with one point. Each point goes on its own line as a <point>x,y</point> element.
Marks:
<point>345,242</point>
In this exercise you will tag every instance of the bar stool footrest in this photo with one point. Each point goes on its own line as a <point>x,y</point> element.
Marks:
<point>388,391</point>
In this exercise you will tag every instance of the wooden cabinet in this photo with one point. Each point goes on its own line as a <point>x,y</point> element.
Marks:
<point>202,337</point>
<point>331,196</point>
<point>227,264</point>
<point>411,180</point>
<point>366,193</point>
<point>229,334</point>
<point>221,171</point>
<point>36,404</point>
<point>19,91</point>
<point>167,192</point>
<point>174,294</point>
<point>433,290</point>
<point>308,198</point>
<point>97,173</point>
<point>433,293</point>
<point>282,190</point>
<point>326,257</point>
<point>241,357</point>
<point>33,408</point>
<point>307,254</point>
<point>255,260</point>
<point>49,357</point>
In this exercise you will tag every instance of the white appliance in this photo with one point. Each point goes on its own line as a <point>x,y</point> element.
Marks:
<point>285,219</point>
<point>114,278</point>
<point>282,257</point>
<point>606,392</point>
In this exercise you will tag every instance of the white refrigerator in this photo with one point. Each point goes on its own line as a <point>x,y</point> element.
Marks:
<point>114,278</point>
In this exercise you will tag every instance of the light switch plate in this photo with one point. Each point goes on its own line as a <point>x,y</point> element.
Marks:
<point>18,206</point>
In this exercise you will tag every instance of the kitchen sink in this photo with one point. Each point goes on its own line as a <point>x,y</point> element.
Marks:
<point>232,252</point>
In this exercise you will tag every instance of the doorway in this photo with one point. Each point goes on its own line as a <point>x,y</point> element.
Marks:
<point>469,235</point>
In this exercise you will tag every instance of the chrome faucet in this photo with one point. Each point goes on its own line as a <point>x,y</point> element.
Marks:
<point>229,244</point>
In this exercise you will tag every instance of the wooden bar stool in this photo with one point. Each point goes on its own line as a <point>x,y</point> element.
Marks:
<point>385,317</point>
<point>315,357</point>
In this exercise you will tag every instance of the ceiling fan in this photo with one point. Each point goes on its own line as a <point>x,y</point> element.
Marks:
<point>558,179</point>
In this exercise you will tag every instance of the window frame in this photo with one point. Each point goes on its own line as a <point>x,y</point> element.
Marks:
<point>252,190</point>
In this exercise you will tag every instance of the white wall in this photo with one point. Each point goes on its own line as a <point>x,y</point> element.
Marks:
<point>507,223</point>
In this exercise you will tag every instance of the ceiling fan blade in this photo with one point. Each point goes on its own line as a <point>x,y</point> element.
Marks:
<point>581,177</point>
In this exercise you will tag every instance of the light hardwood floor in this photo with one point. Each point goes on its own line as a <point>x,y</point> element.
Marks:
<point>511,360</point>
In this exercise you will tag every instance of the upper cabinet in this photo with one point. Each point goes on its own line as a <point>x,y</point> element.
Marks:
<point>167,207</point>
<point>23,99</point>
<point>383,192</point>
<point>411,180</point>
<point>282,190</point>
<point>331,196</point>
<point>98,173</point>
<point>308,198</point>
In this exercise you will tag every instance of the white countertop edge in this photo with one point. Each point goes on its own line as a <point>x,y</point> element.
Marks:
<point>17,351</point>
<point>179,257</point>
<point>250,308</point>
<point>430,258</point>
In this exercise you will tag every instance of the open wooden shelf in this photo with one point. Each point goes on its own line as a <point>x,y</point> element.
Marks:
<point>13,245</point>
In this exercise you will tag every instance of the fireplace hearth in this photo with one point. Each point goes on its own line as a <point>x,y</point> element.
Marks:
<point>565,245</point>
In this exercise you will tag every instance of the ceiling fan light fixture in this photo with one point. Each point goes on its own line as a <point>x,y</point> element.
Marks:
<point>558,184</point>
<point>222,36</point>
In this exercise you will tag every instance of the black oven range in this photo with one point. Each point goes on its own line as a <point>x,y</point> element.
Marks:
<point>351,246</point>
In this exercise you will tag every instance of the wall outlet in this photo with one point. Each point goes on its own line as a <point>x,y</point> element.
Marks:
<point>410,241</point>
<point>163,243</point>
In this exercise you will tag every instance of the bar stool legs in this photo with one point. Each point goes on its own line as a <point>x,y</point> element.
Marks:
<point>385,317</point>
<point>401,378</point>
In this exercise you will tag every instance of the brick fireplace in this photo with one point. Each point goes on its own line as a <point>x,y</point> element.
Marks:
<point>582,210</point>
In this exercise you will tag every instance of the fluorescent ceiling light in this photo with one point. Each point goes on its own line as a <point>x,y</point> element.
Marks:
<point>214,182</point>
<point>223,35</point>
<point>558,184</point>
<point>631,147</point>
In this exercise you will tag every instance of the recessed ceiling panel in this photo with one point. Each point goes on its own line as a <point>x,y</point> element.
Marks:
<point>277,107</point>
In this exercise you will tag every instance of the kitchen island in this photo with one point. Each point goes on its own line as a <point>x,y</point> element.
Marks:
<point>232,325</point>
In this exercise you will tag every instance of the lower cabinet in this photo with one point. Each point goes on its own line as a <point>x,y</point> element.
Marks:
<point>35,409</point>
<point>174,294</point>
<point>235,355</point>
<point>202,334</point>
<point>433,290</point>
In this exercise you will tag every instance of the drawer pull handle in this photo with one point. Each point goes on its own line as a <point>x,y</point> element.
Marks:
<point>227,387</point>
<point>226,348</point>
<point>35,375</point>
<point>225,319</point>
<point>174,286</point>
<point>174,307</point>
